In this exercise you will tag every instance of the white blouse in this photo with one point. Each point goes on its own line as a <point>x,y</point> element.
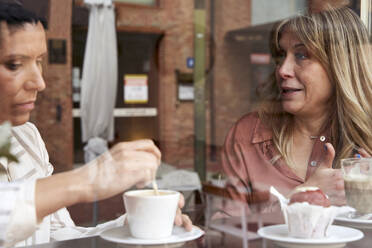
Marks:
<point>17,192</point>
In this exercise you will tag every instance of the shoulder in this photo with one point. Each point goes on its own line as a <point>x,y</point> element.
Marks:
<point>29,132</point>
<point>249,128</point>
<point>249,121</point>
<point>244,128</point>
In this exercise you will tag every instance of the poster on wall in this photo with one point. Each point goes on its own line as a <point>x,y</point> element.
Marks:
<point>135,88</point>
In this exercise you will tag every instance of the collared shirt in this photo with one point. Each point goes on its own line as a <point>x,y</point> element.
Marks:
<point>253,164</point>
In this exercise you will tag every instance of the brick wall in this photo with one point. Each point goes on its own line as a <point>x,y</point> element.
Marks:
<point>174,19</point>
<point>58,135</point>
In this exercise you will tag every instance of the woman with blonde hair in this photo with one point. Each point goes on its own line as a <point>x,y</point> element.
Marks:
<point>315,110</point>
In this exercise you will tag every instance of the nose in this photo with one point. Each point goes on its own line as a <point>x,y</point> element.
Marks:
<point>285,69</point>
<point>36,80</point>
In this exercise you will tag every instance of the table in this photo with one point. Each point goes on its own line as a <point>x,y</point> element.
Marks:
<point>210,240</point>
<point>216,235</point>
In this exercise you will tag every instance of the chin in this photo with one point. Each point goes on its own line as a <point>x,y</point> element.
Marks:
<point>20,120</point>
<point>289,108</point>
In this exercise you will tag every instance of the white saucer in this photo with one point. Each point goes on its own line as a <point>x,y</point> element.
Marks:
<point>346,220</point>
<point>338,236</point>
<point>122,235</point>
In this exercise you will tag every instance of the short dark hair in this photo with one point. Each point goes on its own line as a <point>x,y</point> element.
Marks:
<point>15,15</point>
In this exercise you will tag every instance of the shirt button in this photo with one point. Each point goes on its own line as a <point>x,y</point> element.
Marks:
<point>322,138</point>
<point>313,163</point>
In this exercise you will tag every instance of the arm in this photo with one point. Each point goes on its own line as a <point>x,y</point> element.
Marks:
<point>58,191</point>
<point>233,167</point>
<point>127,164</point>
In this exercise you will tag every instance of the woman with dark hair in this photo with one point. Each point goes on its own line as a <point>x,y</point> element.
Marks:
<point>314,111</point>
<point>32,200</point>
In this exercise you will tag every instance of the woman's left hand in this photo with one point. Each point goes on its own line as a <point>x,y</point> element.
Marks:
<point>182,219</point>
<point>363,153</point>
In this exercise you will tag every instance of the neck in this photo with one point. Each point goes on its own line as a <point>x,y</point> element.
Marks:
<point>310,126</point>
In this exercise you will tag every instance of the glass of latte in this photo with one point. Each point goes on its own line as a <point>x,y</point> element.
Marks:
<point>357,174</point>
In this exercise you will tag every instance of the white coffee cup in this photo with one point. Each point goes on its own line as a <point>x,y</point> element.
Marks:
<point>151,216</point>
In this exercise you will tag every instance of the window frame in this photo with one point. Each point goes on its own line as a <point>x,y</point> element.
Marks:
<point>134,5</point>
<point>366,14</point>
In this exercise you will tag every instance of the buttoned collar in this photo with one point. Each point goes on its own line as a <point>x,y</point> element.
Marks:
<point>261,133</point>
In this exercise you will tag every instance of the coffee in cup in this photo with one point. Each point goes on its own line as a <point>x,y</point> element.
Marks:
<point>357,174</point>
<point>151,215</point>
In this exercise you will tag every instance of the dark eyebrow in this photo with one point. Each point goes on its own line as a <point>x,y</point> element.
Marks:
<point>299,45</point>
<point>16,56</point>
<point>20,56</point>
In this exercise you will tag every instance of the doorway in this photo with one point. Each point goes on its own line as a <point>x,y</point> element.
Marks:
<point>137,54</point>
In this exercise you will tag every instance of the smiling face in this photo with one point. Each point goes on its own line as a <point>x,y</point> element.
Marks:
<point>21,52</point>
<point>305,87</point>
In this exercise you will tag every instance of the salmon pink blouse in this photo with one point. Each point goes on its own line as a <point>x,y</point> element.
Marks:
<point>248,156</point>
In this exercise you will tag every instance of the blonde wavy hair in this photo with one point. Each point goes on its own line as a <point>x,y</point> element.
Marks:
<point>340,42</point>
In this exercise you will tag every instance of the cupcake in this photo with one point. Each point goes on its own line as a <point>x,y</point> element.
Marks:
<point>309,213</point>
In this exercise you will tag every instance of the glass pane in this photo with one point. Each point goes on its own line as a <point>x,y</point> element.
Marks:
<point>238,95</point>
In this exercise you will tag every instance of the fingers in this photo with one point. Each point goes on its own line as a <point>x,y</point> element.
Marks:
<point>186,222</point>
<point>178,219</point>
<point>330,155</point>
<point>181,201</point>
<point>363,153</point>
<point>339,185</point>
<point>139,145</point>
<point>183,220</point>
<point>145,179</point>
<point>337,198</point>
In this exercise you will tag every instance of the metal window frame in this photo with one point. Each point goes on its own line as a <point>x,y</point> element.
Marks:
<point>132,4</point>
<point>366,14</point>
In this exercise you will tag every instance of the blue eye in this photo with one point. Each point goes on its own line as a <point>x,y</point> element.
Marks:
<point>301,56</point>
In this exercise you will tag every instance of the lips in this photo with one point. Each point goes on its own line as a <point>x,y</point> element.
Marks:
<point>25,107</point>
<point>289,90</point>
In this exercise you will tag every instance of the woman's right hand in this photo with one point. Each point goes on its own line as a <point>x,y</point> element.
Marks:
<point>125,165</point>
<point>329,180</point>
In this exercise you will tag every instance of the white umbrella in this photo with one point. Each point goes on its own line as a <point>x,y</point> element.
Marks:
<point>99,80</point>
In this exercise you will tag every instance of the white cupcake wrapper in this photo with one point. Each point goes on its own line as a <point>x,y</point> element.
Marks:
<point>305,220</point>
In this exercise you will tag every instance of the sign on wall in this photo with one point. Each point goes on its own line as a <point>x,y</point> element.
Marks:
<point>135,88</point>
